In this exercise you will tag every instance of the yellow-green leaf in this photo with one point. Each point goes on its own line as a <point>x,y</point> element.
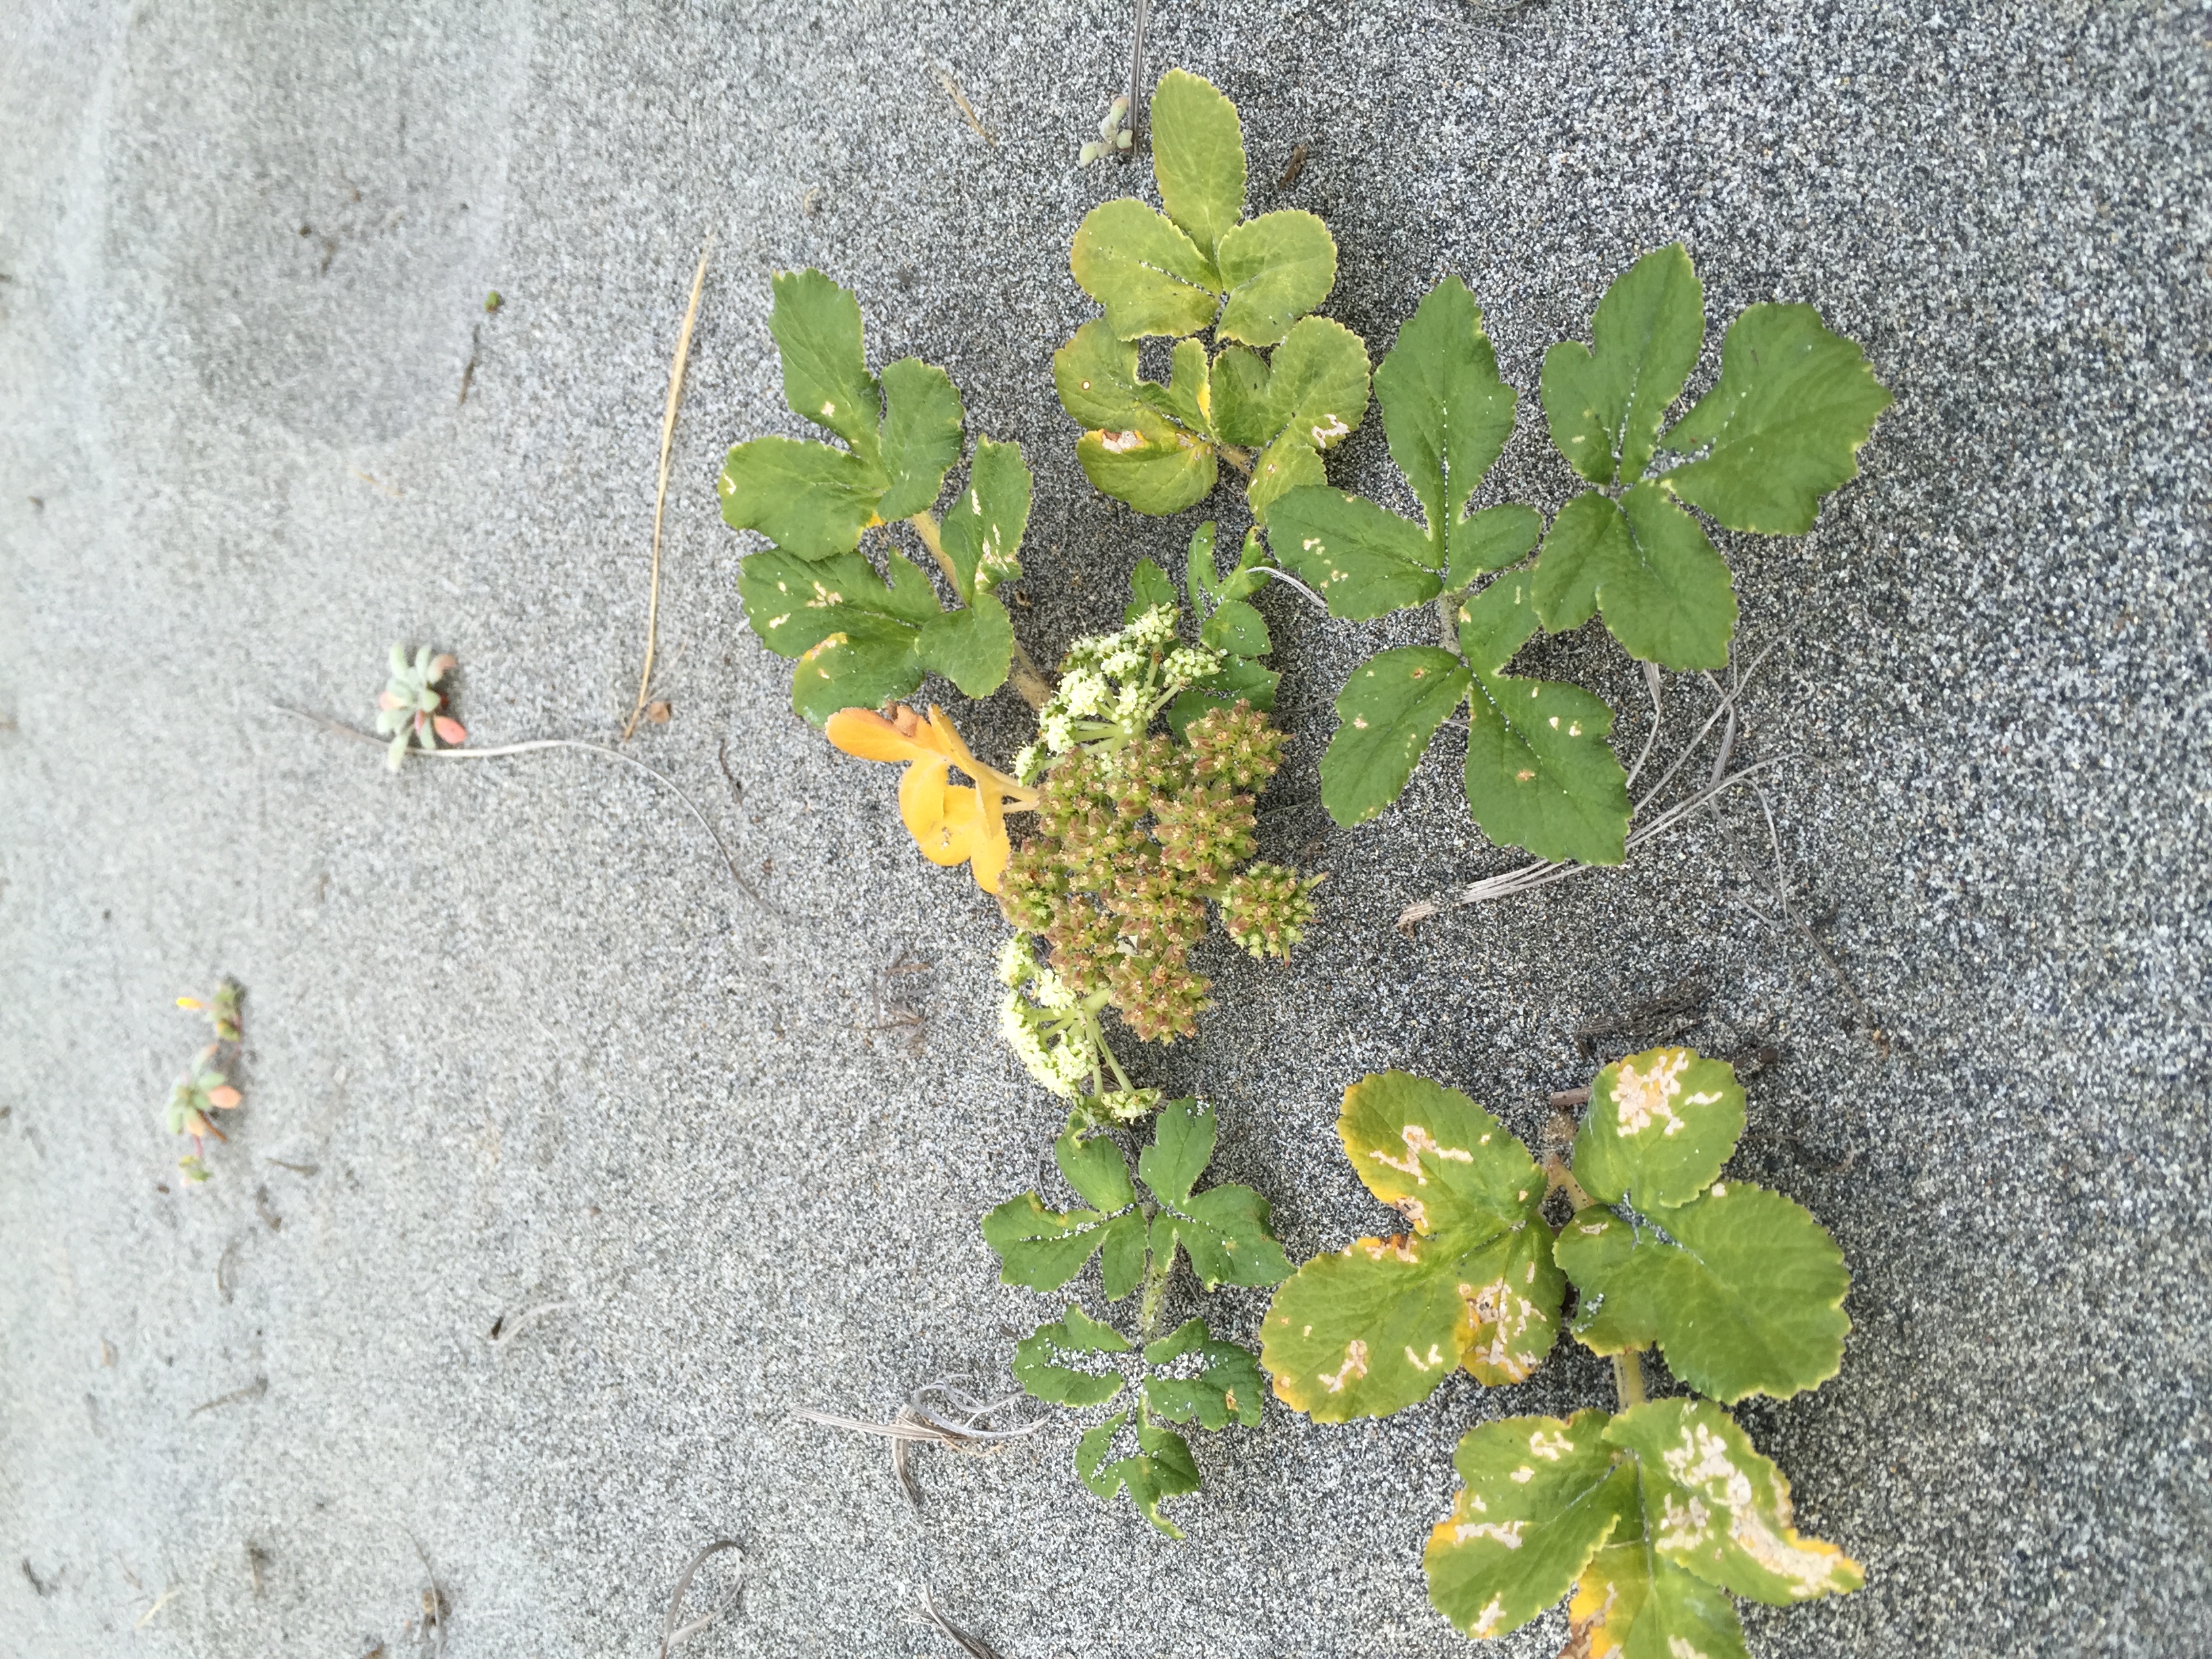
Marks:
<point>794,605</point>
<point>983,530</point>
<point>1605,406</point>
<point>920,436</point>
<point>1661,1124</point>
<point>1743,1293</point>
<point>1096,375</point>
<point>1541,1496</point>
<point>868,662</point>
<point>817,325</point>
<point>1783,426</point>
<point>1153,464</point>
<point>809,500</point>
<point>1376,1327</point>
<point>1276,269</point>
<point>1641,1606</point>
<point>1715,1507</point>
<point>1151,277</point>
<point>1162,1468</point>
<point>1198,157</point>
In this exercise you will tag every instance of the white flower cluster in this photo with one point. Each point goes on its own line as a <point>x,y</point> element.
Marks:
<point>1044,1022</point>
<point>1119,680</point>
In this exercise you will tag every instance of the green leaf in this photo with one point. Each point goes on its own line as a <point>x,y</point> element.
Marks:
<point>1198,157</point>
<point>1151,277</point>
<point>1605,406</point>
<point>1227,1389</point>
<point>1666,593</point>
<point>973,649</point>
<point>1661,1125</point>
<point>1490,540</point>
<point>1149,589</point>
<point>1375,1327</point>
<point>1182,1146</point>
<point>1096,375</point>
<point>1386,714</point>
<point>1198,572</point>
<point>983,530</point>
<point>1714,1506</point>
<point>1364,560</point>
<point>1276,269</point>
<point>1539,773</point>
<point>1122,1257</point>
<point>1744,1293</point>
<point>1184,399</point>
<point>794,605</point>
<point>1238,678</point>
<point>1095,1167</point>
<point>817,325</point>
<point>1316,396</point>
<point>1642,1606</point>
<point>1447,413</point>
<point>1161,1469</point>
<point>1042,1250</point>
<point>1154,466</point>
<point>1236,628</point>
<point>1224,1231</point>
<point>920,436</point>
<point>868,662</point>
<point>1541,1495</point>
<point>1036,1356</point>
<point>1783,426</point>
<point>809,500</point>
<point>1239,383</point>
<point>1289,463</point>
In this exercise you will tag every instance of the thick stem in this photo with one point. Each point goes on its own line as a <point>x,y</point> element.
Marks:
<point>1628,1379</point>
<point>1556,1172</point>
<point>1156,1285</point>
<point>1239,458</point>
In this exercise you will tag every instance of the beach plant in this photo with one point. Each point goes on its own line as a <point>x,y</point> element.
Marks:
<point>206,1087</point>
<point>1136,1229</point>
<point>407,709</point>
<point>1653,1516</point>
<point>861,639</point>
<point>1275,389</point>
<point>1779,429</point>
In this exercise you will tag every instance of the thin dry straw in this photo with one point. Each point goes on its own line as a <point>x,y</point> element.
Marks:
<point>670,1635</point>
<point>660,489</point>
<point>975,1646</point>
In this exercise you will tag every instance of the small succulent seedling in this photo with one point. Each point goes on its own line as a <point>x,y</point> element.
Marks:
<point>1782,428</point>
<point>861,640</point>
<point>1188,1374</point>
<point>408,704</point>
<point>1201,268</point>
<point>206,1088</point>
<point>1115,134</point>
<point>1652,1517</point>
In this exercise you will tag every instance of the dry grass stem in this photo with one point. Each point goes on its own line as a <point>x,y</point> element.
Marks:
<point>504,1330</point>
<point>960,99</point>
<point>540,743</point>
<point>660,488</point>
<point>671,1636</point>
<point>975,1646</point>
<point>168,1596</point>
<point>434,1598</point>
<point>253,1390</point>
<point>958,1427</point>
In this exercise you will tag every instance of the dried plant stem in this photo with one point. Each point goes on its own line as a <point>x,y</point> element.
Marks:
<point>974,1646</point>
<point>670,1635</point>
<point>914,1424</point>
<point>1563,1178</point>
<point>660,488</point>
<point>534,747</point>
<point>1144,10</point>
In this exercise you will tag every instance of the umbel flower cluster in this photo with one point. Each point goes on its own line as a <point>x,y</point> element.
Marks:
<point>1136,833</point>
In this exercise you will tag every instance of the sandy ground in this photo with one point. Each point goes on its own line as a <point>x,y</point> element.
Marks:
<point>515,1038</point>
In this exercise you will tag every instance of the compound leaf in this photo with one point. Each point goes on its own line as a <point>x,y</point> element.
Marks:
<point>1224,1229</point>
<point>1276,268</point>
<point>1364,560</point>
<point>809,500</point>
<point>817,325</point>
<point>1642,1606</point>
<point>1666,593</point>
<point>1153,464</point>
<point>1446,411</point>
<point>1042,1250</point>
<point>1783,426</point>
<point>1162,1468</point>
<point>1386,714</point>
<point>1225,1391</point>
<point>1661,1125</point>
<point>1198,157</point>
<point>920,436</point>
<point>1238,678</point>
<point>983,530</point>
<point>1184,399</point>
<point>1490,540</point>
<point>1713,1505</point>
<point>1539,773</point>
<point>1316,398</point>
<point>1236,628</point>
<point>1036,1357</point>
<point>1149,589</point>
<point>1151,277</point>
<point>973,647</point>
<point>1376,1327</point>
<point>1744,1294</point>
<point>1541,1496</point>
<point>1605,406</point>
<point>870,660</point>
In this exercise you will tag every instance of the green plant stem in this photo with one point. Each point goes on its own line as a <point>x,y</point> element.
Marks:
<point>1628,1379</point>
<point>1024,676</point>
<point>1156,1285</point>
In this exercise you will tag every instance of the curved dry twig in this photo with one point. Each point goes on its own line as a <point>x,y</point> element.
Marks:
<point>535,745</point>
<point>915,1425</point>
<point>972,1644</point>
<point>670,1635</point>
